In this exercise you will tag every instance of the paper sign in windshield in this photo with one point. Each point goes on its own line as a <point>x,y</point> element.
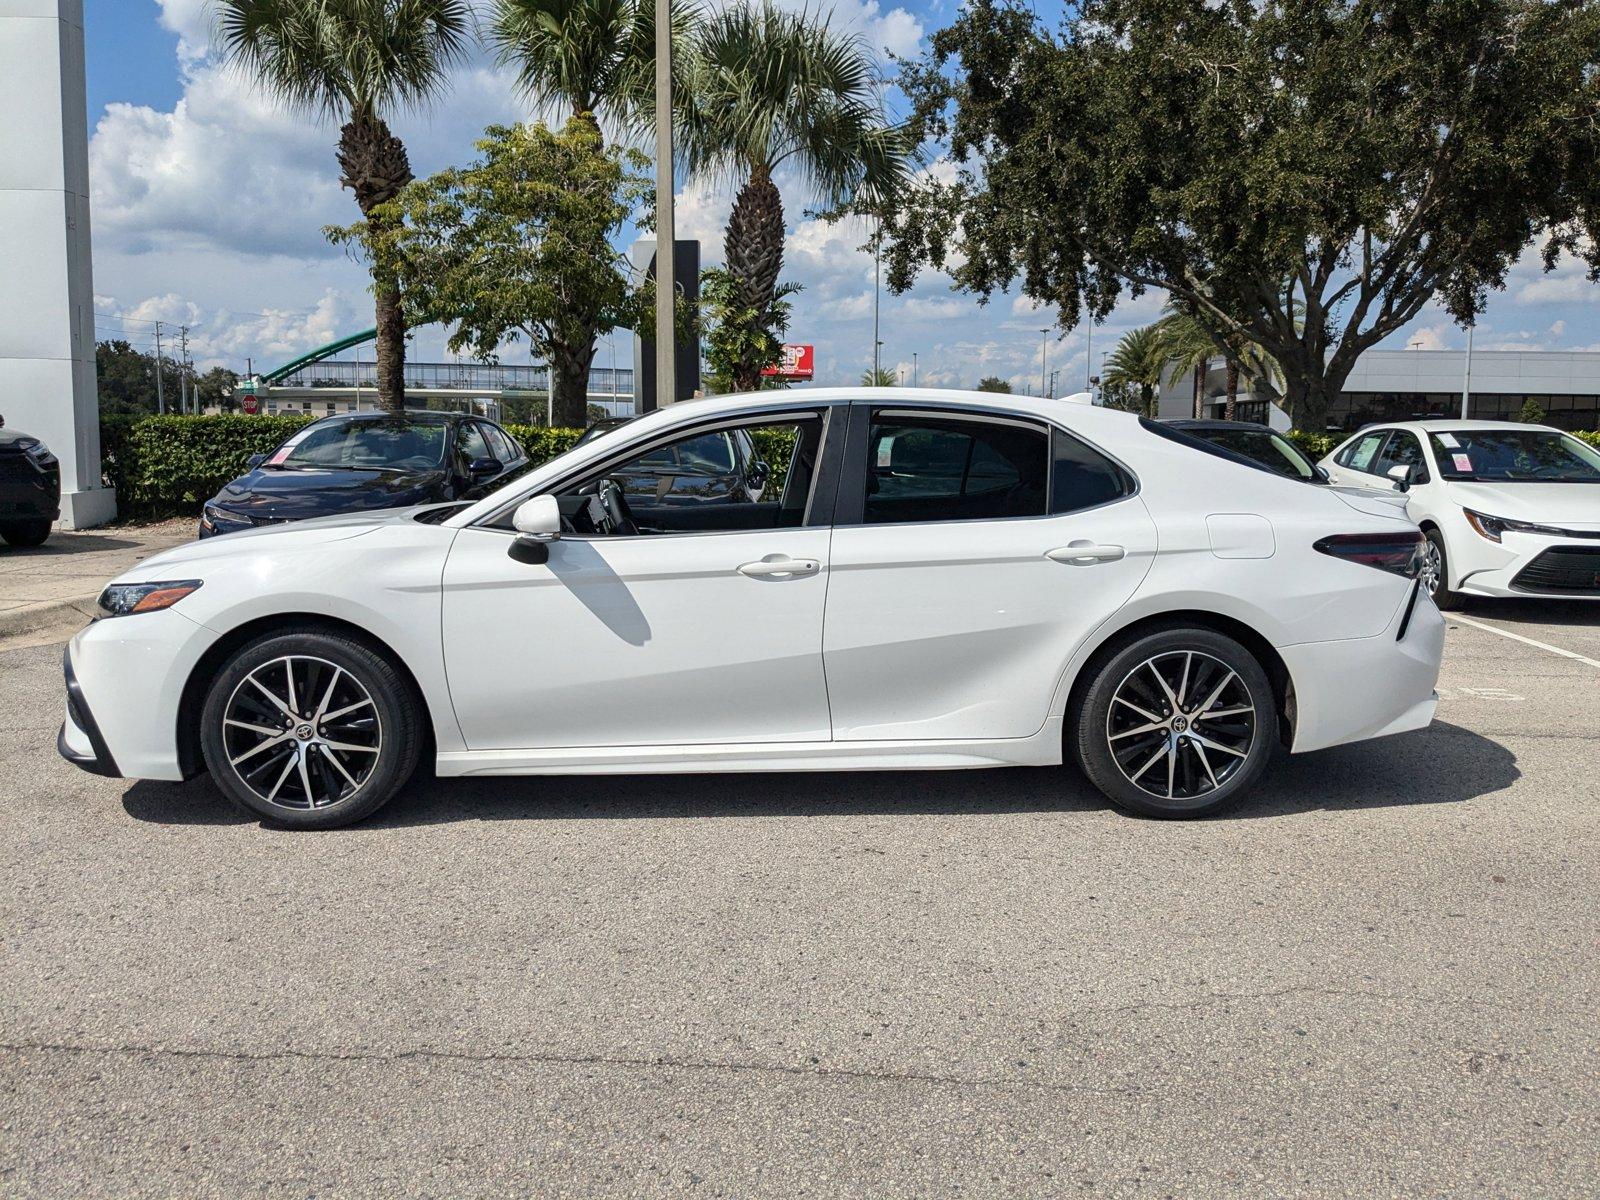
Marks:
<point>1449,439</point>
<point>286,449</point>
<point>1462,462</point>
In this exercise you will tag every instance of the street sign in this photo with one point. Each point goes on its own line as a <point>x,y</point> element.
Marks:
<point>795,363</point>
<point>251,404</point>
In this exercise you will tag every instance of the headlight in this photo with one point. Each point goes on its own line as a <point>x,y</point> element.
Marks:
<point>37,452</point>
<point>125,599</point>
<point>1493,527</point>
<point>221,516</point>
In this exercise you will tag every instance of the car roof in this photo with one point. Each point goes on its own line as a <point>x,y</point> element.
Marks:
<point>1456,425</point>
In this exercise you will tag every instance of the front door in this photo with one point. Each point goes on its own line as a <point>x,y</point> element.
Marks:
<point>643,633</point>
<point>977,555</point>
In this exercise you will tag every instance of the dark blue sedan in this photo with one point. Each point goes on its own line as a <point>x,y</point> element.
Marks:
<point>366,460</point>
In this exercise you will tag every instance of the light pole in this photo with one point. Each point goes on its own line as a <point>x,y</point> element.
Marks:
<point>1466,384</point>
<point>1088,356</point>
<point>666,243</point>
<point>1044,358</point>
<point>1053,375</point>
<point>913,368</point>
<point>877,272</point>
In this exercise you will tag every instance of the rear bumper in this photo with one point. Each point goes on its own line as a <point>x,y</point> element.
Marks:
<point>1359,688</point>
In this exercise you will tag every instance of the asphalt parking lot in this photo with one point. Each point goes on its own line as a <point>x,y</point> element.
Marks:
<point>1378,977</point>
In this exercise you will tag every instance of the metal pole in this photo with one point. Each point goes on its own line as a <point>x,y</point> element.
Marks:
<point>161,398</point>
<point>877,272</point>
<point>1044,359</point>
<point>666,292</point>
<point>1088,357</point>
<point>1466,384</point>
<point>913,368</point>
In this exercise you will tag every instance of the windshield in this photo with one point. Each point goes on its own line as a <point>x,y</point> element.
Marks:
<point>400,445</point>
<point>1514,456</point>
<point>1261,446</point>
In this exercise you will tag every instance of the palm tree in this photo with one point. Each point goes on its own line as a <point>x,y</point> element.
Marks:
<point>1138,362</point>
<point>765,89</point>
<point>356,61</point>
<point>597,57</point>
<point>1183,338</point>
<point>882,377</point>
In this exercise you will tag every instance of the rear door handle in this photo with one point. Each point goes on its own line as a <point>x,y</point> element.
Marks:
<point>1084,554</point>
<point>779,566</point>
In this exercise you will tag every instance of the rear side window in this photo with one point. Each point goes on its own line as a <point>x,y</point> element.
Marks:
<point>1362,454</point>
<point>953,469</point>
<point>1081,477</point>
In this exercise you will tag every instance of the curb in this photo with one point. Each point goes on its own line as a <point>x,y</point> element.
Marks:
<point>45,614</point>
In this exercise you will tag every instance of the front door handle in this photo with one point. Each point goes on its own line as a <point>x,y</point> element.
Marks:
<point>1084,554</point>
<point>780,566</point>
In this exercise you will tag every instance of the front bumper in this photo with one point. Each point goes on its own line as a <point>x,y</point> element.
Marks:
<point>1358,688</point>
<point>1549,568</point>
<point>80,741</point>
<point>28,492</point>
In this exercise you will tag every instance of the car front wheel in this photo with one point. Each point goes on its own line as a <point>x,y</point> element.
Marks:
<point>25,533</point>
<point>1435,572</point>
<point>310,730</point>
<point>1177,723</point>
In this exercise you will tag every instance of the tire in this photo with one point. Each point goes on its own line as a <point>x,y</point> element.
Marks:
<point>25,534</point>
<point>1439,563</point>
<point>1122,695</point>
<point>354,763</point>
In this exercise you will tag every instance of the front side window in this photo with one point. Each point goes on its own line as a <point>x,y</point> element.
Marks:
<point>1362,454</point>
<point>399,443</point>
<point>1403,450</point>
<point>938,468</point>
<point>702,484</point>
<point>1515,456</point>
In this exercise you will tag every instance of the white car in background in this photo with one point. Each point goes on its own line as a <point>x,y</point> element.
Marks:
<point>1508,509</point>
<point>907,580</point>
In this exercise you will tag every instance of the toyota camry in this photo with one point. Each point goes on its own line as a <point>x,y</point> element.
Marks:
<point>906,581</point>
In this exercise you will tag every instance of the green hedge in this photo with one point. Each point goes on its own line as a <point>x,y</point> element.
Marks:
<point>1315,444</point>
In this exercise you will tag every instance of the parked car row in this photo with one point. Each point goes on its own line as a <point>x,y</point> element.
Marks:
<point>933,579</point>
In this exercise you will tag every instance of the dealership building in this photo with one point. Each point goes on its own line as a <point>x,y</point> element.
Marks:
<point>1398,385</point>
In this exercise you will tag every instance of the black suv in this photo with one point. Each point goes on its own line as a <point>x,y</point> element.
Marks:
<point>30,488</point>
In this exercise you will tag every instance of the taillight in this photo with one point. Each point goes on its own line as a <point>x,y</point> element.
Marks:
<point>1397,553</point>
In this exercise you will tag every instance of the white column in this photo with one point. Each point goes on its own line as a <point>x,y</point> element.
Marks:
<point>47,371</point>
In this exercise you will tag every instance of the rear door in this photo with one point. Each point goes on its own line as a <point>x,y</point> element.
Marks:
<point>973,552</point>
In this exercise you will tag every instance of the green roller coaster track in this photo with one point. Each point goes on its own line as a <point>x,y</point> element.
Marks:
<point>317,355</point>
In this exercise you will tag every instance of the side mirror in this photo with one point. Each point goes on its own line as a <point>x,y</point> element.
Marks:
<point>758,474</point>
<point>482,468</point>
<point>1401,476</point>
<point>538,523</point>
<point>254,461</point>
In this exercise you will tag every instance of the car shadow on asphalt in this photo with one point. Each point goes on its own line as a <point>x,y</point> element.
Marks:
<point>1444,764</point>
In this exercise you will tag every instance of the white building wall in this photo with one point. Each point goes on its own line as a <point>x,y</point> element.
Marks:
<point>47,368</point>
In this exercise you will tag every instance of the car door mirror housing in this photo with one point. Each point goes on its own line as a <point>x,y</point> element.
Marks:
<point>1401,475</point>
<point>538,523</point>
<point>758,474</point>
<point>254,461</point>
<point>482,468</point>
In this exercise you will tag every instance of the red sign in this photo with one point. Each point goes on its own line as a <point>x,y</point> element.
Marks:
<point>796,363</point>
<point>250,404</point>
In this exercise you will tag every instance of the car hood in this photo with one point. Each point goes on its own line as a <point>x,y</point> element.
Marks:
<point>297,535</point>
<point>1567,505</point>
<point>1376,502</point>
<point>270,494</point>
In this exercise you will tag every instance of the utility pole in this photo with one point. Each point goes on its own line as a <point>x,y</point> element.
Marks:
<point>1044,358</point>
<point>913,368</point>
<point>183,371</point>
<point>1088,357</point>
<point>161,398</point>
<point>1466,384</point>
<point>877,274</point>
<point>666,238</point>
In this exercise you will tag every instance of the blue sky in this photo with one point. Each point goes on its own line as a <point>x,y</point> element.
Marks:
<point>209,204</point>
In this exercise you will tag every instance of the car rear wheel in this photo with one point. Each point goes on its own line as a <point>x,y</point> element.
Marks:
<point>310,730</point>
<point>1435,572</point>
<point>1176,723</point>
<point>25,533</point>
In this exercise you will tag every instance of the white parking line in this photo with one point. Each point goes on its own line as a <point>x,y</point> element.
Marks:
<point>1527,641</point>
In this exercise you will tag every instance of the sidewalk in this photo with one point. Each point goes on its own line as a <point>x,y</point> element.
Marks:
<point>49,592</point>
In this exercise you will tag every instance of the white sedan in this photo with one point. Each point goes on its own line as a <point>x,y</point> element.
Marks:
<point>904,580</point>
<point>1508,509</point>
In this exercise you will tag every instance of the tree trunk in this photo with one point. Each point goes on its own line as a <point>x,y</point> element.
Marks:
<point>569,384</point>
<point>1231,407</point>
<point>1200,389</point>
<point>1308,396</point>
<point>374,165</point>
<point>753,246</point>
<point>1147,400</point>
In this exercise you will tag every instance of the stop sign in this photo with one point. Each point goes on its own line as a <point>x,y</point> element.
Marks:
<point>250,404</point>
